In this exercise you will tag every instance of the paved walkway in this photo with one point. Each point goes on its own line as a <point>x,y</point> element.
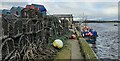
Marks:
<point>71,51</point>
<point>75,50</point>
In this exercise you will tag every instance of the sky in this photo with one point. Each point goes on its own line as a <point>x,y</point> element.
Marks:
<point>90,9</point>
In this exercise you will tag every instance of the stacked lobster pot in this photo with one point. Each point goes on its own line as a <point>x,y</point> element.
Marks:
<point>30,33</point>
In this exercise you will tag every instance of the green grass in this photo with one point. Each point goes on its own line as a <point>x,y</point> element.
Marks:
<point>64,53</point>
<point>86,49</point>
<point>88,52</point>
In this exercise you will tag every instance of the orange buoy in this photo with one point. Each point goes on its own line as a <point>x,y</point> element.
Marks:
<point>85,28</point>
<point>73,36</point>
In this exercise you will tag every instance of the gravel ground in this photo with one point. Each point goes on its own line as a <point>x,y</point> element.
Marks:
<point>107,41</point>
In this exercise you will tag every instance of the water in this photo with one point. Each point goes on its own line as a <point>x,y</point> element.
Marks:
<point>107,41</point>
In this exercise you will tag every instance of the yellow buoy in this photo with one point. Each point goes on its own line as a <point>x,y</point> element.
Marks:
<point>58,43</point>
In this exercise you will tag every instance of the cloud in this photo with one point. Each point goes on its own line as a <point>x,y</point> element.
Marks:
<point>59,1</point>
<point>93,10</point>
<point>29,1</point>
<point>8,5</point>
<point>111,11</point>
<point>73,0</point>
<point>14,0</point>
<point>97,10</point>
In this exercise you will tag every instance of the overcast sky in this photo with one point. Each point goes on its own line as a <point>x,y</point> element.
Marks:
<point>92,9</point>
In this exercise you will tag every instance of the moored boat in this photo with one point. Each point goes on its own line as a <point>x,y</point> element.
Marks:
<point>89,35</point>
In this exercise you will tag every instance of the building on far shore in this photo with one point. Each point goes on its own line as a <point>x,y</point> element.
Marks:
<point>16,10</point>
<point>40,8</point>
<point>5,12</point>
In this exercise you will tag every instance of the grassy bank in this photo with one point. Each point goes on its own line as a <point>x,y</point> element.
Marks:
<point>86,50</point>
<point>64,53</point>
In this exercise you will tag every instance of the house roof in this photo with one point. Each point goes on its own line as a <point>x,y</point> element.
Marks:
<point>5,11</point>
<point>41,7</point>
<point>28,6</point>
<point>16,8</point>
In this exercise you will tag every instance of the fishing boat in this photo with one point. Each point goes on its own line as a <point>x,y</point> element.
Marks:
<point>89,35</point>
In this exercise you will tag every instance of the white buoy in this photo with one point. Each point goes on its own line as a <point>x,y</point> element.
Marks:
<point>58,43</point>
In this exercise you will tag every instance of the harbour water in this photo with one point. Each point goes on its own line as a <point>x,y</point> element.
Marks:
<point>107,41</point>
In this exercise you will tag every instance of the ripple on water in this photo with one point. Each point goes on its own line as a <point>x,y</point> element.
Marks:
<point>107,41</point>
